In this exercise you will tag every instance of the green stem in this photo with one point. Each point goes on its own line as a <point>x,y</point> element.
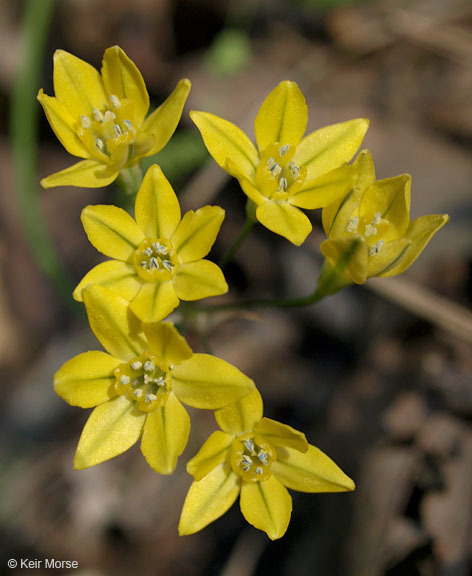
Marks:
<point>129,181</point>
<point>228,256</point>
<point>24,137</point>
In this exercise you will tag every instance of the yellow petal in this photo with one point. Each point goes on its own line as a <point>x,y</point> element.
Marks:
<point>86,174</point>
<point>200,279</point>
<point>77,85</point>
<point>154,302</point>
<point>336,216</point>
<point>279,434</point>
<point>267,506</point>
<point>63,125</point>
<point>213,453</point>
<point>208,499</point>
<point>197,232</point>
<point>388,257</point>
<point>161,124</point>
<point>324,190</point>
<point>111,322</point>
<point>165,342</point>
<point>204,381</point>
<point>165,435</point>
<point>284,219</point>
<point>87,380</point>
<point>157,210</point>
<point>329,147</point>
<point>357,264</point>
<point>241,416</point>
<point>122,79</point>
<point>111,230</point>
<point>282,117</point>
<point>420,232</point>
<point>310,472</point>
<point>225,141</point>
<point>111,429</point>
<point>246,183</point>
<point>119,277</point>
<point>364,166</point>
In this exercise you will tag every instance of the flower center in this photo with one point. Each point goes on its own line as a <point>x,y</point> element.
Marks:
<point>155,260</point>
<point>251,458</point>
<point>370,229</point>
<point>106,129</point>
<point>144,380</point>
<point>278,176</point>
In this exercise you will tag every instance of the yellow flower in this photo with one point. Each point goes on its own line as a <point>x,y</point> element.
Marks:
<point>372,225</point>
<point>258,458</point>
<point>287,172</point>
<point>139,385</point>
<point>101,117</point>
<point>158,259</point>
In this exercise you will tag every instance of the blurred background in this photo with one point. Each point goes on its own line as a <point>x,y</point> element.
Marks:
<point>379,377</point>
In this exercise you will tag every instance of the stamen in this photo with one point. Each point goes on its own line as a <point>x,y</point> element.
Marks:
<point>370,230</point>
<point>153,263</point>
<point>294,170</point>
<point>282,185</point>
<point>129,125</point>
<point>86,122</point>
<point>270,162</point>
<point>149,366</point>
<point>167,265</point>
<point>99,144</point>
<point>376,219</point>
<point>160,381</point>
<point>109,116</point>
<point>97,115</point>
<point>246,462</point>
<point>249,444</point>
<point>117,130</point>
<point>263,457</point>
<point>137,393</point>
<point>283,150</point>
<point>375,249</point>
<point>275,169</point>
<point>259,470</point>
<point>143,264</point>
<point>136,365</point>
<point>352,224</point>
<point>125,380</point>
<point>115,101</point>
<point>150,397</point>
<point>159,248</point>
<point>147,251</point>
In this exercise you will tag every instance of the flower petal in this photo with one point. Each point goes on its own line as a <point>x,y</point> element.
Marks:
<point>122,79</point>
<point>166,342</point>
<point>388,257</point>
<point>87,379</point>
<point>111,322</point>
<point>324,190</point>
<point>161,124</point>
<point>282,117</point>
<point>279,434</point>
<point>267,506</point>
<point>200,279</point>
<point>119,277</point>
<point>111,230</point>
<point>225,141</point>
<point>111,429</point>
<point>246,183</point>
<point>197,232</point>
<point>204,381</point>
<point>208,499</point>
<point>62,123</point>
<point>337,248</point>
<point>157,210</point>
<point>165,435</point>
<point>86,174</point>
<point>310,472</point>
<point>154,301</point>
<point>329,147</point>
<point>241,416</point>
<point>419,233</point>
<point>284,219</point>
<point>213,453</point>
<point>77,85</point>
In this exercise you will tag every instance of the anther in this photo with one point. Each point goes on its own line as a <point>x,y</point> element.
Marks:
<point>375,249</point>
<point>150,397</point>
<point>137,393</point>
<point>167,265</point>
<point>147,251</point>
<point>153,263</point>
<point>125,380</point>
<point>282,185</point>
<point>160,381</point>
<point>149,366</point>
<point>117,130</point>
<point>283,150</point>
<point>270,162</point>
<point>136,365</point>
<point>376,219</point>
<point>97,115</point>
<point>259,470</point>
<point>294,170</point>
<point>129,126</point>
<point>109,116</point>
<point>370,230</point>
<point>86,122</point>
<point>249,444</point>
<point>115,101</point>
<point>352,224</point>
<point>263,457</point>
<point>275,169</point>
<point>99,144</point>
<point>143,264</point>
<point>159,248</point>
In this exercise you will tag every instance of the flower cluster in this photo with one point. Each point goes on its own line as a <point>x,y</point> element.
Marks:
<point>139,385</point>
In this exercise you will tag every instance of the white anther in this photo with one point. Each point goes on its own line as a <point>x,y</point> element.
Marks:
<point>97,115</point>
<point>86,122</point>
<point>99,144</point>
<point>143,264</point>
<point>109,116</point>
<point>167,265</point>
<point>115,101</point>
<point>262,457</point>
<point>160,381</point>
<point>129,126</point>
<point>117,130</point>
<point>149,366</point>
<point>376,219</point>
<point>375,249</point>
<point>153,263</point>
<point>294,170</point>
<point>352,224</point>
<point>125,380</point>
<point>137,393</point>
<point>275,169</point>
<point>136,365</point>
<point>151,397</point>
<point>259,470</point>
<point>283,150</point>
<point>159,248</point>
<point>135,383</point>
<point>282,185</point>
<point>147,251</point>
<point>370,230</point>
<point>249,444</point>
<point>246,462</point>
